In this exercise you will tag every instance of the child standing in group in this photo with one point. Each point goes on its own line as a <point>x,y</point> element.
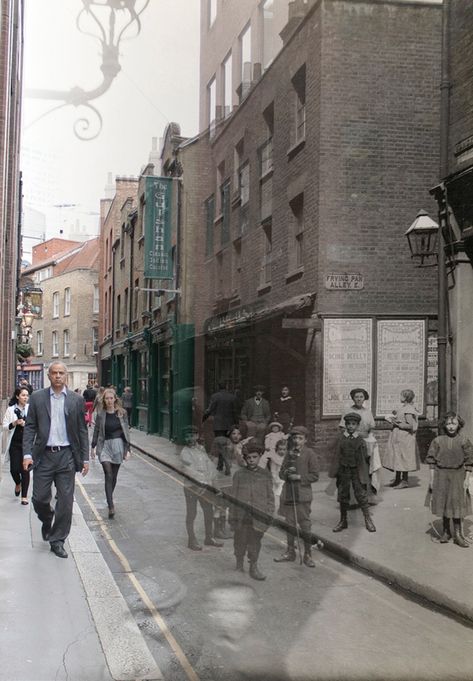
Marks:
<point>450,457</point>
<point>350,457</point>
<point>275,458</point>
<point>253,487</point>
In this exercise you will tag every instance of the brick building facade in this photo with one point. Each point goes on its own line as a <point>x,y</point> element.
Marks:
<point>11,60</point>
<point>318,173</point>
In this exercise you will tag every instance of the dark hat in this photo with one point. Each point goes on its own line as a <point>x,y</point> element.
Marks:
<point>352,416</point>
<point>259,387</point>
<point>359,390</point>
<point>253,446</point>
<point>299,430</point>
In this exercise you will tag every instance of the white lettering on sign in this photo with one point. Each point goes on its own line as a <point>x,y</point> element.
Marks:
<point>344,282</point>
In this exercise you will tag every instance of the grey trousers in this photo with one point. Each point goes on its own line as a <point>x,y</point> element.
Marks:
<point>57,468</point>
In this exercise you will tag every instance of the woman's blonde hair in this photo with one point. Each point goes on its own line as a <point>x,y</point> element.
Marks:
<point>119,410</point>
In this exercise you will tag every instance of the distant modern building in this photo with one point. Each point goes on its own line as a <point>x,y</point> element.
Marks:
<point>67,328</point>
<point>11,66</point>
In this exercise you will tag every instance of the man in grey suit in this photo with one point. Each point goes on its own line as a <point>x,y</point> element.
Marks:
<point>56,443</point>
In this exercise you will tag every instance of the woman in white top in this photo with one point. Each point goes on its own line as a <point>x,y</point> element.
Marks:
<point>14,422</point>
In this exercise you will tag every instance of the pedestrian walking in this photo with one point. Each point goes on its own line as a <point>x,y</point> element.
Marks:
<point>401,453</point>
<point>256,414</point>
<point>89,396</point>
<point>299,470</point>
<point>199,465</point>
<point>350,458</point>
<point>284,409</point>
<point>127,402</point>
<point>55,441</point>
<point>252,488</point>
<point>111,442</point>
<point>450,458</point>
<point>14,422</point>
<point>222,407</point>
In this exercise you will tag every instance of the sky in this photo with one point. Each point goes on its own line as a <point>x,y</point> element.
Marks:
<point>158,83</point>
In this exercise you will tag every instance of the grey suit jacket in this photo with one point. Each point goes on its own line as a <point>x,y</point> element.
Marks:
<point>36,433</point>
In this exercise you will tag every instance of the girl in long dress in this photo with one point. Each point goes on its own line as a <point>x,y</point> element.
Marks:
<point>450,458</point>
<point>401,454</point>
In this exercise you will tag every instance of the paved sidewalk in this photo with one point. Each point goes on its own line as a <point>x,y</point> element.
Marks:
<point>62,620</point>
<point>403,552</point>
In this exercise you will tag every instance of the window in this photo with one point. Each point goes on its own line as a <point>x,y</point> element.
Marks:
<point>96,299</point>
<point>245,64</point>
<point>271,40</point>
<point>125,309</point>
<point>105,321</point>
<point>237,162</point>
<point>43,274</point>
<point>67,301</point>
<point>225,200</point>
<point>143,377</point>
<point>122,243</point>
<point>212,103</point>
<point>236,266</point>
<point>55,304</point>
<point>55,344</point>
<point>118,312</point>
<point>244,183</point>
<point>209,231</point>
<point>298,83</point>
<point>212,7</point>
<point>136,299</point>
<point>39,342</point>
<point>227,86</point>
<point>296,234</point>
<point>266,157</point>
<point>95,340</point>
<point>66,342</point>
<point>265,275</point>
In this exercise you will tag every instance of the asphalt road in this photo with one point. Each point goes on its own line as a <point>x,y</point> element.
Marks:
<point>201,620</point>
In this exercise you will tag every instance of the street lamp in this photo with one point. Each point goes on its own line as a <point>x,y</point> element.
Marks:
<point>423,238</point>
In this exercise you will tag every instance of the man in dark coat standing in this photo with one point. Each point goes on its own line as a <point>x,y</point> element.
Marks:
<point>222,407</point>
<point>56,442</point>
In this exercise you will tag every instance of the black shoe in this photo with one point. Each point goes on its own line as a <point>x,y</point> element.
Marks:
<point>193,545</point>
<point>111,512</point>
<point>45,531</point>
<point>59,550</point>
<point>288,557</point>
<point>342,525</point>
<point>308,560</point>
<point>213,542</point>
<point>255,573</point>
<point>239,565</point>
<point>369,524</point>
<point>17,490</point>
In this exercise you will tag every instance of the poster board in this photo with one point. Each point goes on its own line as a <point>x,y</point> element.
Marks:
<point>401,348</point>
<point>347,361</point>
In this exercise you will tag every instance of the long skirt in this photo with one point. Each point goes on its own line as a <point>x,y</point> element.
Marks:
<point>448,496</point>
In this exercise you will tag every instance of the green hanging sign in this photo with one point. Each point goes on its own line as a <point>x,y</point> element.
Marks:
<point>157,217</point>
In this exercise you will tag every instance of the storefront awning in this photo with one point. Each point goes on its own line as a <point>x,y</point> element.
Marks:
<point>256,312</point>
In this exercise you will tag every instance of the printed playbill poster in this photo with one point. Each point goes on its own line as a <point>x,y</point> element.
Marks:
<point>347,361</point>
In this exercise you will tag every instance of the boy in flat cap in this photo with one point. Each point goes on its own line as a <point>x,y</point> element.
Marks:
<point>299,470</point>
<point>351,455</point>
<point>254,488</point>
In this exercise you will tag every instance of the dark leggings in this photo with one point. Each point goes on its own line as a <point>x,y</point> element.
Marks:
<point>20,476</point>
<point>111,472</point>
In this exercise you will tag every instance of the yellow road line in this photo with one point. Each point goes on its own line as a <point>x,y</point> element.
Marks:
<point>158,618</point>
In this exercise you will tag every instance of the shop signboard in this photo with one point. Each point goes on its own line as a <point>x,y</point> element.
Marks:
<point>157,228</point>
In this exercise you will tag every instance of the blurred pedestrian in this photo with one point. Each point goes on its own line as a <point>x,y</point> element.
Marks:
<point>299,470</point>
<point>127,401</point>
<point>55,440</point>
<point>450,458</point>
<point>222,407</point>
<point>256,414</point>
<point>14,421</point>
<point>284,409</point>
<point>350,458</point>
<point>201,470</point>
<point>252,488</point>
<point>89,396</point>
<point>111,442</point>
<point>401,453</point>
